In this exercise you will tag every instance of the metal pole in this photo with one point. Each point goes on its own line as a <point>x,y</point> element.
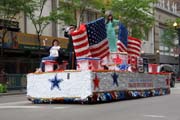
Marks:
<point>178,31</point>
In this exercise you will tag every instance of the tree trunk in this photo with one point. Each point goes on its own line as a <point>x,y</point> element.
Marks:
<point>39,44</point>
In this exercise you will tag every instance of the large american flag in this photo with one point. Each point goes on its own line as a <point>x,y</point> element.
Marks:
<point>90,40</point>
<point>127,43</point>
<point>80,42</point>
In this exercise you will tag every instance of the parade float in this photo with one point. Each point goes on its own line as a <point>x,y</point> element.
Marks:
<point>91,83</point>
<point>112,76</point>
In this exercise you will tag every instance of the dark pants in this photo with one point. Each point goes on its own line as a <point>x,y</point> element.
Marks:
<point>72,61</point>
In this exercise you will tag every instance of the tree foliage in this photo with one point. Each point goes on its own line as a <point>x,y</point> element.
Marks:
<point>136,15</point>
<point>34,11</point>
<point>170,34</point>
<point>69,9</point>
<point>9,9</point>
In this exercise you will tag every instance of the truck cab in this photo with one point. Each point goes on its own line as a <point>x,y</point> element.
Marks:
<point>170,69</point>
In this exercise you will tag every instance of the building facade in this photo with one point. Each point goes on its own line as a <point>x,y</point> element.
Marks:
<point>157,52</point>
<point>24,56</point>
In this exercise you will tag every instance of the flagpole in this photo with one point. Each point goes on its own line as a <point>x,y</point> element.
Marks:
<point>72,59</point>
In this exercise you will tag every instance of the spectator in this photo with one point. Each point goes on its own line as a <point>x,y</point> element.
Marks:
<point>3,80</point>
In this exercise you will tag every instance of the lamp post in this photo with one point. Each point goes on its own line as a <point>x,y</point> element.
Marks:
<point>157,56</point>
<point>177,27</point>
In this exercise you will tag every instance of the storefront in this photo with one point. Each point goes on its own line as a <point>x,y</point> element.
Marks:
<point>22,52</point>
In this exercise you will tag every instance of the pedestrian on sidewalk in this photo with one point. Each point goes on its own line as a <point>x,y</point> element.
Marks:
<point>3,81</point>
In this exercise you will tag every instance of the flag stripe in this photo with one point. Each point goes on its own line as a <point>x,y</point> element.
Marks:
<point>134,39</point>
<point>134,46</point>
<point>97,48</point>
<point>100,50</point>
<point>80,38</point>
<point>130,42</point>
<point>121,47</point>
<point>132,53</point>
<point>81,45</point>
<point>84,53</point>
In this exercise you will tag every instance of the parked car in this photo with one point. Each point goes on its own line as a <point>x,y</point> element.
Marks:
<point>170,69</point>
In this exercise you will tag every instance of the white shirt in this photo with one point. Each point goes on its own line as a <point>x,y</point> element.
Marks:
<point>54,51</point>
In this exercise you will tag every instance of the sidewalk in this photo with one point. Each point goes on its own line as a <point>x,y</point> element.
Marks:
<point>14,92</point>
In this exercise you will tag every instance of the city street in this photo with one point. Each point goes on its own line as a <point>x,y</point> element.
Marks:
<point>167,107</point>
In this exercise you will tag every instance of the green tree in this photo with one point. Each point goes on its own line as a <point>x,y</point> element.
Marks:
<point>70,9</point>
<point>33,9</point>
<point>137,15</point>
<point>9,10</point>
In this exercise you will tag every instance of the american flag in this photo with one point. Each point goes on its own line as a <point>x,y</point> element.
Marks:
<point>127,43</point>
<point>90,40</point>
<point>134,46</point>
<point>122,38</point>
<point>80,42</point>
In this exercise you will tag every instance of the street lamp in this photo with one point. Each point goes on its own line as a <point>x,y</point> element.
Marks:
<point>177,27</point>
<point>157,57</point>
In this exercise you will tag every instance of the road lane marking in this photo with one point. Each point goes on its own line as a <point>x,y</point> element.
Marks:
<point>14,103</point>
<point>19,107</point>
<point>60,107</point>
<point>26,105</point>
<point>155,116</point>
<point>29,107</point>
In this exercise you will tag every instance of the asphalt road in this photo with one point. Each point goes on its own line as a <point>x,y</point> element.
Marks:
<point>16,107</point>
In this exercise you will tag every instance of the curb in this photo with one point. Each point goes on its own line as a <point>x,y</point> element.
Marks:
<point>13,93</point>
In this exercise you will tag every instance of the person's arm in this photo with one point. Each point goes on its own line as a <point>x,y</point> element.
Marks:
<point>66,34</point>
<point>47,48</point>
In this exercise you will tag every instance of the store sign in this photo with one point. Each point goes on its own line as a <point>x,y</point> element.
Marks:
<point>18,40</point>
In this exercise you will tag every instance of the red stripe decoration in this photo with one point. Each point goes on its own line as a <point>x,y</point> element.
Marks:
<point>134,46</point>
<point>100,50</point>
<point>121,47</point>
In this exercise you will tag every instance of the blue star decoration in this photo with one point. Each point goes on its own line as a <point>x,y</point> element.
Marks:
<point>123,66</point>
<point>55,82</point>
<point>115,79</point>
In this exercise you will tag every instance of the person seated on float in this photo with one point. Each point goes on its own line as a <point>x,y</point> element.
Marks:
<point>55,52</point>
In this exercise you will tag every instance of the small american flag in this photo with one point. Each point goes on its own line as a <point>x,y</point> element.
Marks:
<point>134,46</point>
<point>127,43</point>
<point>90,40</point>
<point>122,38</point>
